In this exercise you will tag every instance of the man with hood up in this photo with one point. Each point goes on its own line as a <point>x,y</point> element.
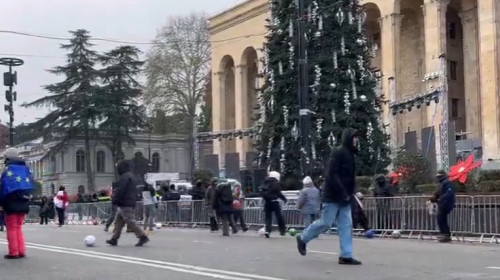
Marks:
<point>125,200</point>
<point>271,192</point>
<point>337,195</point>
<point>445,199</point>
<point>383,193</point>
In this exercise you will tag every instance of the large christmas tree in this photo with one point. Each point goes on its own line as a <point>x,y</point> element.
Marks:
<point>342,94</point>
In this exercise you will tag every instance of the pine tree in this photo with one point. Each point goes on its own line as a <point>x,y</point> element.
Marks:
<point>74,101</point>
<point>121,113</point>
<point>342,88</point>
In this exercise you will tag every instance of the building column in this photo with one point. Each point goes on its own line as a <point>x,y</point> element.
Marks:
<point>435,48</point>
<point>390,26</point>
<point>217,113</point>
<point>471,77</point>
<point>488,11</point>
<point>241,97</point>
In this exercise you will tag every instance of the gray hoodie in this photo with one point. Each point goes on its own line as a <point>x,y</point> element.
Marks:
<point>309,200</point>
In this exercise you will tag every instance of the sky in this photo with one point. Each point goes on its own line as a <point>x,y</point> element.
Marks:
<point>124,20</point>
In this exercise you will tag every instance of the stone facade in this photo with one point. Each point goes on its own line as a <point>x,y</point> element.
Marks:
<point>411,37</point>
<point>66,166</point>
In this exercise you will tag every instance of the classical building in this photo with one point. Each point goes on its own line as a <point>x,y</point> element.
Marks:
<point>66,166</point>
<point>418,46</point>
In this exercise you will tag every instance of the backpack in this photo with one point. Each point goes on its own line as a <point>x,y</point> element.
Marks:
<point>16,179</point>
<point>226,194</point>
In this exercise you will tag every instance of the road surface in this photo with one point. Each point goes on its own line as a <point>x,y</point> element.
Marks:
<point>195,254</point>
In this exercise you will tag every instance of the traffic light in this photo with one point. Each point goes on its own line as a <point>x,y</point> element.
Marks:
<point>9,79</point>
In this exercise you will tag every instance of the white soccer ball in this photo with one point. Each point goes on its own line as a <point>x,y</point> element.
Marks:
<point>396,234</point>
<point>89,241</point>
<point>159,225</point>
<point>262,231</point>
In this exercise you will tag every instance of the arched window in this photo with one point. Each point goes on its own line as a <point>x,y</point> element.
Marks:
<point>100,162</point>
<point>138,154</point>
<point>52,165</point>
<point>156,162</point>
<point>80,161</point>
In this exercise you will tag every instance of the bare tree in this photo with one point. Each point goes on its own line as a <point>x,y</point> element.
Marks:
<point>178,68</point>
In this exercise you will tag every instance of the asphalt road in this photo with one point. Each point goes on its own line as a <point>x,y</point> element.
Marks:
<point>182,254</point>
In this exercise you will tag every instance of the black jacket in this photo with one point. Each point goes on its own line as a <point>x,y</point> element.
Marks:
<point>340,179</point>
<point>445,195</point>
<point>219,205</point>
<point>382,189</point>
<point>126,194</point>
<point>271,190</point>
<point>197,193</point>
<point>17,202</point>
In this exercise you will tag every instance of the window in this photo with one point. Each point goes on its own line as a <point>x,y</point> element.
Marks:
<point>156,162</point>
<point>454,107</point>
<point>453,70</point>
<point>452,30</point>
<point>80,161</point>
<point>100,159</point>
<point>138,154</point>
<point>53,165</point>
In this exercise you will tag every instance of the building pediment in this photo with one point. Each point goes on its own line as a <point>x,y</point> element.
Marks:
<point>238,14</point>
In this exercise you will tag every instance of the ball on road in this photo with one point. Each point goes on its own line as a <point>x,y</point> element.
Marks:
<point>292,232</point>
<point>95,222</point>
<point>159,225</point>
<point>89,240</point>
<point>261,231</point>
<point>396,234</point>
<point>370,233</point>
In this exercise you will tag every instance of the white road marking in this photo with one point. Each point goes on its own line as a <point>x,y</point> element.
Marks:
<point>184,268</point>
<point>201,241</point>
<point>322,252</point>
<point>493,267</point>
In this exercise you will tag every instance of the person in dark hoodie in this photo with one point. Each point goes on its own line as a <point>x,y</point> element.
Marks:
<point>16,188</point>
<point>445,199</point>
<point>383,193</point>
<point>125,200</point>
<point>337,196</point>
<point>271,193</point>
<point>223,205</point>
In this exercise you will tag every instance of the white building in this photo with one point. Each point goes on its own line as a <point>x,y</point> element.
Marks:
<point>65,166</point>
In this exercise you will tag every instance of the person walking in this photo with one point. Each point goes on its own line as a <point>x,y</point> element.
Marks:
<point>15,195</point>
<point>209,202</point>
<point>44,211</point>
<point>125,199</point>
<point>61,201</point>
<point>271,193</point>
<point>223,205</point>
<point>337,194</point>
<point>383,194</point>
<point>445,199</point>
<point>309,201</point>
<point>239,207</point>
<point>150,205</point>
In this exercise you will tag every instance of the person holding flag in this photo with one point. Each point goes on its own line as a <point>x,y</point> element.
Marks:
<point>15,193</point>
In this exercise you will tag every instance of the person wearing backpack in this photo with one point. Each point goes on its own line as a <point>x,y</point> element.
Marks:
<point>15,193</point>
<point>271,193</point>
<point>223,205</point>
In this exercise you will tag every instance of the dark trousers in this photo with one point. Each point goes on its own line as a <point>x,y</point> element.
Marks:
<point>238,217</point>
<point>442,220</point>
<point>213,224</point>
<point>227,221</point>
<point>44,220</point>
<point>270,208</point>
<point>60,215</point>
<point>112,216</point>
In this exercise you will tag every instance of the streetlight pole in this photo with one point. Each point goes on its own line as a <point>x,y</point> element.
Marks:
<point>303,94</point>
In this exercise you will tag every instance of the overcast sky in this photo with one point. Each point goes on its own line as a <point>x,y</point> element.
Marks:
<point>126,20</point>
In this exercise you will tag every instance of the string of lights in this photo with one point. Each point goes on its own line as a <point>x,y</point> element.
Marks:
<point>225,134</point>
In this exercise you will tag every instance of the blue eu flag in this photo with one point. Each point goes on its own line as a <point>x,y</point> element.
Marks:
<point>16,177</point>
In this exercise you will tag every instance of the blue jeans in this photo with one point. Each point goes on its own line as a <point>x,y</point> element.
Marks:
<point>340,214</point>
<point>308,219</point>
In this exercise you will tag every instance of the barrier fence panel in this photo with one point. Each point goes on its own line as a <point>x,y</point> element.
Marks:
<point>471,215</point>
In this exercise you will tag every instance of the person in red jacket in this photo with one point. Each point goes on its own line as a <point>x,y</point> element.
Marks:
<point>61,201</point>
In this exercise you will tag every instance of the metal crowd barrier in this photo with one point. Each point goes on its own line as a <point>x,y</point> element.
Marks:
<point>472,216</point>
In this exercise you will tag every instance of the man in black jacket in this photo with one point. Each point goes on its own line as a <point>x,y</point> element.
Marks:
<point>125,200</point>
<point>271,192</point>
<point>337,194</point>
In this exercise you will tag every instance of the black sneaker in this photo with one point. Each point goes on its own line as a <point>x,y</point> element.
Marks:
<point>301,246</point>
<point>112,242</point>
<point>142,240</point>
<point>349,261</point>
<point>267,234</point>
<point>445,239</point>
<point>11,257</point>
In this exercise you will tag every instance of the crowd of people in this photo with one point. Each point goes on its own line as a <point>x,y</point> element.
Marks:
<point>336,203</point>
